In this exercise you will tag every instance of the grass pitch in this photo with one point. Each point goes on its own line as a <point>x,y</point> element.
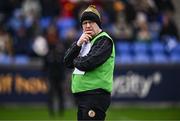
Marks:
<point>27,113</point>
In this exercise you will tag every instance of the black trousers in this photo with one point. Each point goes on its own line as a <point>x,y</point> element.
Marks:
<point>55,90</point>
<point>92,105</point>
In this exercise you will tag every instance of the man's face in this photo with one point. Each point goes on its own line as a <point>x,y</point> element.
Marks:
<point>91,27</point>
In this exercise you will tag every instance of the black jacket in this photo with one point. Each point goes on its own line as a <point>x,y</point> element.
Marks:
<point>54,62</point>
<point>99,53</point>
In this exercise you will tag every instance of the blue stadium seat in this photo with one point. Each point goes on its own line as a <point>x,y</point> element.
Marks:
<point>175,54</point>
<point>157,47</point>
<point>140,47</point>
<point>176,49</point>
<point>124,59</point>
<point>160,58</point>
<point>5,59</point>
<point>21,59</point>
<point>141,58</point>
<point>123,47</point>
<point>64,25</point>
<point>175,57</point>
<point>45,22</point>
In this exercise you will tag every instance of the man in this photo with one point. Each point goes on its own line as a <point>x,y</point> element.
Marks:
<point>55,72</point>
<point>92,56</point>
<point>56,78</point>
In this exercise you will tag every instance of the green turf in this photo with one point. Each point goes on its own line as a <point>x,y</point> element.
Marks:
<point>137,113</point>
<point>34,113</point>
<point>123,113</point>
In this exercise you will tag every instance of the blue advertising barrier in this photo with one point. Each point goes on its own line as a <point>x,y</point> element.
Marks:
<point>154,83</point>
<point>23,85</point>
<point>149,83</point>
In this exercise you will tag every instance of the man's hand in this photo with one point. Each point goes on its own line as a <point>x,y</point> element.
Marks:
<point>85,37</point>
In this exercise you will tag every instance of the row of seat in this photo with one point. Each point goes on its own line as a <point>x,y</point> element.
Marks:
<point>147,59</point>
<point>140,47</point>
<point>146,53</point>
<point>126,53</point>
<point>18,60</point>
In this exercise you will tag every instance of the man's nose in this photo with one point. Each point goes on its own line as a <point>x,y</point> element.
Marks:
<point>88,24</point>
